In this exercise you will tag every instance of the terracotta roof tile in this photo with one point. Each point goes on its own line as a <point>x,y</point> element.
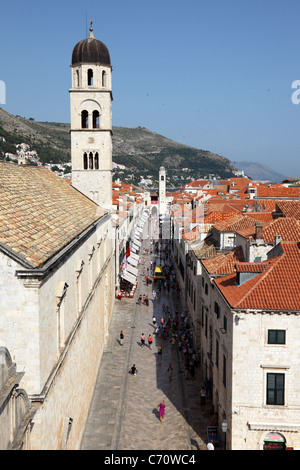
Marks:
<point>289,208</point>
<point>238,222</point>
<point>224,263</point>
<point>276,288</point>
<point>40,213</point>
<point>277,191</point>
<point>287,228</point>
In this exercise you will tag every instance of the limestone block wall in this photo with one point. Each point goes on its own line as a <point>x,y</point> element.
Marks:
<point>19,320</point>
<point>16,410</point>
<point>56,330</point>
<point>253,359</point>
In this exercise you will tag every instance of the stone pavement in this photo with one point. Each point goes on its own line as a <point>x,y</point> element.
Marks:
<point>124,413</point>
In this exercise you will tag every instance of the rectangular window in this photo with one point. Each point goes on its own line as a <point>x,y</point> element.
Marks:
<point>225,323</point>
<point>217,309</point>
<point>276,336</point>
<point>275,389</point>
<point>224,371</point>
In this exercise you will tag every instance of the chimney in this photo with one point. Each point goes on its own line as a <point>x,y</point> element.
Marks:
<point>277,239</point>
<point>258,230</point>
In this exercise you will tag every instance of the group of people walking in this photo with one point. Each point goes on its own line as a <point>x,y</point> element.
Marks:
<point>168,327</point>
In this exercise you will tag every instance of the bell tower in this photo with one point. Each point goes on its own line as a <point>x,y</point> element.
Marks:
<point>162,191</point>
<point>91,120</point>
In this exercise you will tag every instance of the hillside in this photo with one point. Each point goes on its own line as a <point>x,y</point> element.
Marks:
<point>259,172</point>
<point>140,150</point>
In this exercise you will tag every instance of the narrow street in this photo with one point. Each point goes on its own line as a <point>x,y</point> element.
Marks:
<point>124,412</point>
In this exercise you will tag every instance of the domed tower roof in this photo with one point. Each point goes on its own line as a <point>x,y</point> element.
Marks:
<point>90,51</point>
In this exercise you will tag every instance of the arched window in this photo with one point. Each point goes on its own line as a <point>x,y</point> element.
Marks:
<point>162,178</point>
<point>84,119</point>
<point>77,77</point>
<point>90,77</point>
<point>103,78</point>
<point>96,119</point>
<point>96,161</point>
<point>91,163</point>
<point>85,161</point>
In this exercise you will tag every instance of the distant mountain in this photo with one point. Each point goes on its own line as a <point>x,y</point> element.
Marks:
<point>142,151</point>
<point>258,172</point>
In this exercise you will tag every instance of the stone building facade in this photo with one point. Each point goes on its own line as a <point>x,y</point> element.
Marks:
<point>250,351</point>
<point>57,296</point>
<point>17,413</point>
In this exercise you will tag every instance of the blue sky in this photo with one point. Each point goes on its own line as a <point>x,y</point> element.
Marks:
<point>214,74</point>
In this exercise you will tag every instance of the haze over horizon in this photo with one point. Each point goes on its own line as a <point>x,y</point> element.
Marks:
<point>212,75</point>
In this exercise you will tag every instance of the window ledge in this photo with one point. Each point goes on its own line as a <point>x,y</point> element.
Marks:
<point>275,366</point>
<point>262,426</point>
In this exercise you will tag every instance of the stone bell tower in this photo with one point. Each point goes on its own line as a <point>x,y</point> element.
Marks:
<point>162,191</point>
<point>91,120</point>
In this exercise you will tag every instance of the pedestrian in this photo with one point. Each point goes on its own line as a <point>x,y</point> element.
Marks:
<point>133,370</point>
<point>150,341</point>
<point>154,321</point>
<point>210,445</point>
<point>143,340</point>
<point>140,299</point>
<point>207,386</point>
<point>154,294</point>
<point>202,396</point>
<point>159,351</point>
<point>170,369</point>
<point>121,338</point>
<point>161,407</point>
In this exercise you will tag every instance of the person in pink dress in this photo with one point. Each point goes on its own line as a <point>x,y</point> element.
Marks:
<point>162,407</point>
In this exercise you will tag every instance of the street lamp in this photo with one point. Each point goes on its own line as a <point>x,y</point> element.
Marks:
<point>224,429</point>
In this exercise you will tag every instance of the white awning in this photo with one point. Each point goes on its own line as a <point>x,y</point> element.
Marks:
<point>136,247</point>
<point>137,242</point>
<point>129,277</point>
<point>136,257</point>
<point>132,270</point>
<point>132,260</point>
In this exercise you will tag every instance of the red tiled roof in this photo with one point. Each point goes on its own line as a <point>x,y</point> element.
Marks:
<point>238,222</point>
<point>224,263</point>
<point>288,228</point>
<point>40,213</point>
<point>277,191</point>
<point>261,216</point>
<point>190,235</point>
<point>215,217</point>
<point>289,208</point>
<point>250,267</point>
<point>276,288</point>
